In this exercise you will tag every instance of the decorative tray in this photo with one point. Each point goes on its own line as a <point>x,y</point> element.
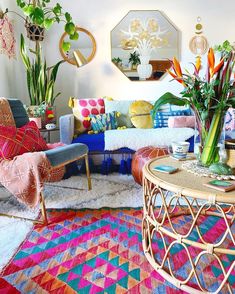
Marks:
<point>201,171</point>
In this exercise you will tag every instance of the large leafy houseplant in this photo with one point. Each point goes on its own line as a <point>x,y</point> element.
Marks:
<point>39,15</point>
<point>209,97</point>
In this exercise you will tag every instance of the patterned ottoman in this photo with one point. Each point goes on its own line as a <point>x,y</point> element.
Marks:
<point>141,157</point>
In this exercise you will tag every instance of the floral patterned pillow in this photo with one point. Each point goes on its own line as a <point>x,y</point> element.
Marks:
<point>82,108</point>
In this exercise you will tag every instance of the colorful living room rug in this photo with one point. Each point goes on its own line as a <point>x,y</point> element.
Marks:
<point>95,251</point>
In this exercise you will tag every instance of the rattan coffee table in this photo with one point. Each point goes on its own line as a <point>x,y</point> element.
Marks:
<point>175,208</point>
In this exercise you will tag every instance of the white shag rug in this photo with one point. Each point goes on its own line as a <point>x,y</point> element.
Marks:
<point>111,191</point>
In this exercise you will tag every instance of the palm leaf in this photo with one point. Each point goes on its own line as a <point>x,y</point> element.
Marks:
<point>55,70</point>
<point>23,53</point>
<point>49,92</point>
<point>168,98</point>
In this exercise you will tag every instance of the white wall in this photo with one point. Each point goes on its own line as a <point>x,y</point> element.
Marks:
<point>101,77</point>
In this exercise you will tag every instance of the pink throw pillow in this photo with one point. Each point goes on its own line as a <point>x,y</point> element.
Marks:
<point>82,108</point>
<point>16,141</point>
<point>181,122</point>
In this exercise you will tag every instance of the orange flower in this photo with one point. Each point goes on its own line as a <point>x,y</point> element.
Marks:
<point>198,64</point>
<point>177,78</point>
<point>177,67</point>
<point>218,66</point>
<point>211,59</point>
<point>211,63</point>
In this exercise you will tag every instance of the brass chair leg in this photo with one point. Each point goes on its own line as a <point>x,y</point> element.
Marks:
<point>43,209</point>
<point>44,220</point>
<point>88,172</point>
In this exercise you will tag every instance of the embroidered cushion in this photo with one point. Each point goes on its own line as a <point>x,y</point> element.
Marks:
<point>140,114</point>
<point>161,118</point>
<point>16,141</point>
<point>103,122</point>
<point>82,108</point>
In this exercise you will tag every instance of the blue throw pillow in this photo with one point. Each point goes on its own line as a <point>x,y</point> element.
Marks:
<point>103,122</point>
<point>161,118</point>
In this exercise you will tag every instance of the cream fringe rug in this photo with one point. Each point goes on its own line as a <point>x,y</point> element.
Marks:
<point>111,191</point>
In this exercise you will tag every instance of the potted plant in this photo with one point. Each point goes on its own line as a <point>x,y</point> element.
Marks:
<point>117,61</point>
<point>38,16</point>
<point>209,97</point>
<point>40,78</point>
<point>134,60</point>
<point>36,113</point>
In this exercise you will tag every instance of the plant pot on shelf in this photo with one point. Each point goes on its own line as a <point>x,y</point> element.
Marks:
<point>144,69</point>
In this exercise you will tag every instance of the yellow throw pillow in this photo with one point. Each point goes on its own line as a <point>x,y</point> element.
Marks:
<point>139,112</point>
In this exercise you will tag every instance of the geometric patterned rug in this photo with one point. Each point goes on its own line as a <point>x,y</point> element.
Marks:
<point>89,251</point>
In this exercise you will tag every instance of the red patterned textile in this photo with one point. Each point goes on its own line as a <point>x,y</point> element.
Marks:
<point>16,141</point>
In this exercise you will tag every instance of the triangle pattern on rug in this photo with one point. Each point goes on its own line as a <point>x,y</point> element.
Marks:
<point>94,251</point>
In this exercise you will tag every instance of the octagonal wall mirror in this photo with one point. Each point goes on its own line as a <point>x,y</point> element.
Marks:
<point>143,43</point>
<point>82,50</point>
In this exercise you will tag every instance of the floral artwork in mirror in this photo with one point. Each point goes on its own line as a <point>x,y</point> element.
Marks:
<point>143,44</point>
<point>81,51</point>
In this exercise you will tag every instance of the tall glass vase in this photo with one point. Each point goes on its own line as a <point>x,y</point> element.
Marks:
<point>200,134</point>
<point>210,139</point>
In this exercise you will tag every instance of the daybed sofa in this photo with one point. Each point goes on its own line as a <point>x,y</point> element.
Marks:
<point>112,150</point>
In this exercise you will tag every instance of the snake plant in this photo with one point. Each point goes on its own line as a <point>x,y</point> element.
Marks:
<point>40,78</point>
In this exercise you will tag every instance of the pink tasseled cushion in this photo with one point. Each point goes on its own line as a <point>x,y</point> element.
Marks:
<point>16,141</point>
<point>181,122</point>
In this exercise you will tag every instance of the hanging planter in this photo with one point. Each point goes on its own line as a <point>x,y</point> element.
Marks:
<point>34,32</point>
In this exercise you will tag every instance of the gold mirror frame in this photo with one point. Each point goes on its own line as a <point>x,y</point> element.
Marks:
<point>73,60</point>
<point>126,38</point>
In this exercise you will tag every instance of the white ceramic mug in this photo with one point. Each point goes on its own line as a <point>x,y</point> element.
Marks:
<point>50,126</point>
<point>179,149</point>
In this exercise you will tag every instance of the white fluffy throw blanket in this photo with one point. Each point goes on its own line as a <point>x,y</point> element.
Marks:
<point>138,138</point>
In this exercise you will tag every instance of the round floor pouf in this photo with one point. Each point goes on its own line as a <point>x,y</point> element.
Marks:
<point>141,157</point>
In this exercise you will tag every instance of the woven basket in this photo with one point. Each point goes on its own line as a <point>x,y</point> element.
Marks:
<point>34,32</point>
<point>230,147</point>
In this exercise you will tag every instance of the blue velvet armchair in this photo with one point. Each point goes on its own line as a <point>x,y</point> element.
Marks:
<point>57,157</point>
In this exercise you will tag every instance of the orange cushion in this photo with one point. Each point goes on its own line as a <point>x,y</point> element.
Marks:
<point>16,141</point>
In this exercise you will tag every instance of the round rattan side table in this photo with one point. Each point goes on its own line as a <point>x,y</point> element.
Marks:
<point>179,215</point>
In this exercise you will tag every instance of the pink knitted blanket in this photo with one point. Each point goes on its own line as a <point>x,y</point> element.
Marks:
<point>25,174</point>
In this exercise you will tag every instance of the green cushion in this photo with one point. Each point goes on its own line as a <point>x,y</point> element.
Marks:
<point>121,106</point>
